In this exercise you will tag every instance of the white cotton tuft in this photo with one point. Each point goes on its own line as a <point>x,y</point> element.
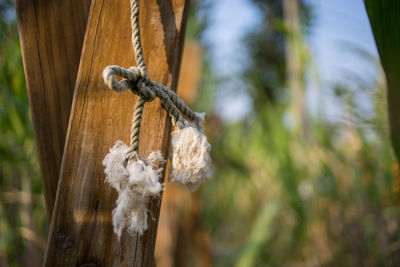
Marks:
<point>114,165</point>
<point>144,178</point>
<point>190,158</point>
<point>155,158</point>
<point>130,212</point>
<point>136,182</point>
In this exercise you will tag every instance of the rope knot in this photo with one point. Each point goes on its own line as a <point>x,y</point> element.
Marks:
<point>143,75</point>
<point>136,79</point>
<point>143,85</point>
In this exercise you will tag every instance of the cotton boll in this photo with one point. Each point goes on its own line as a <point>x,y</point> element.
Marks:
<point>190,158</point>
<point>114,165</point>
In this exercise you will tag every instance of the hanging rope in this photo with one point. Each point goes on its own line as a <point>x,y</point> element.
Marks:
<point>138,81</point>
<point>137,179</point>
<point>137,46</point>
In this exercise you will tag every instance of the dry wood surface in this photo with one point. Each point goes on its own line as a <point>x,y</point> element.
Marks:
<point>81,230</point>
<point>51,35</point>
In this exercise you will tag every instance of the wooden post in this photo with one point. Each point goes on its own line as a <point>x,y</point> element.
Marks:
<point>81,229</point>
<point>51,35</point>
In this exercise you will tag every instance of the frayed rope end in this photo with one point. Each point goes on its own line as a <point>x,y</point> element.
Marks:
<point>136,181</point>
<point>190,158</point>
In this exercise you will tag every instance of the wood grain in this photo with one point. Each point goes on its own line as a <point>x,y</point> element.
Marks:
<point>81,230</point>
<point>51,35</point>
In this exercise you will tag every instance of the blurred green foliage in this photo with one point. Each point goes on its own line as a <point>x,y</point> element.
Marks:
<point>327,197</point>
<point>23,221</point>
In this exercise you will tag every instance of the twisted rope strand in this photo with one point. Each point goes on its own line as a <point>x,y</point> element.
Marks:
<point>137,46</point>
<point>179,103</point>
<point>170,107</point>
<point>136,122</point>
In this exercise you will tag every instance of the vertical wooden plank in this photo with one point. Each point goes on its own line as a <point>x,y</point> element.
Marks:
<point>51,35</point>
<point>81,229</point>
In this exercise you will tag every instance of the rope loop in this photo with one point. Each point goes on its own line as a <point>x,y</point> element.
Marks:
<point>136,79</point>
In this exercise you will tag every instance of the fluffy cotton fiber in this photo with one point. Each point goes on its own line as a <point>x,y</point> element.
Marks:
<point>135,181</point>
<point>190,157</point>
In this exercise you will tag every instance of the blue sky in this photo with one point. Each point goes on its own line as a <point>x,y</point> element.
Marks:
<point>341,22</point>
<point>340,25</point>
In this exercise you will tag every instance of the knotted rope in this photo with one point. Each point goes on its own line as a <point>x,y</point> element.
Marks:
<point>137,179</point>
<point>138,81</point>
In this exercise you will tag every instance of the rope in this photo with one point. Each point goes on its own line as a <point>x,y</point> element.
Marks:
<point>137,46</point>
<point>138,81</point>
